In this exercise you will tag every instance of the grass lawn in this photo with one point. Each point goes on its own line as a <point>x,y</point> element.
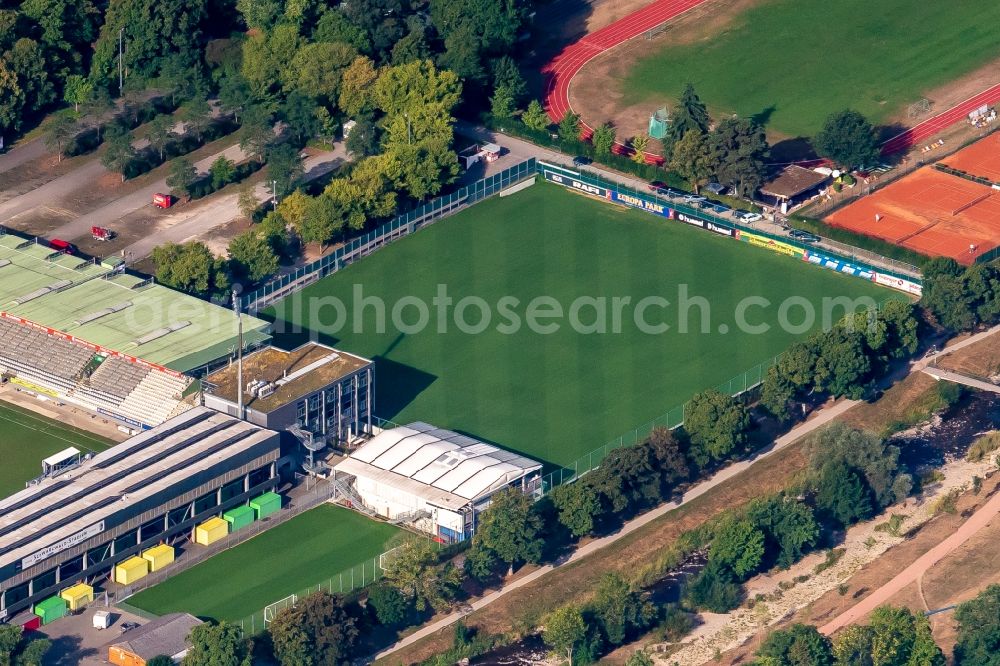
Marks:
<point>558,396</point>
<point>26,438</point>
<point>284,560</point>
<point>793,62</point>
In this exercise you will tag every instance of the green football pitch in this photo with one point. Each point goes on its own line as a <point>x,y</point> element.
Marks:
<point>790,63</point>
<point>26,438</point>
<point>302,552</point>
<point>558,395</point>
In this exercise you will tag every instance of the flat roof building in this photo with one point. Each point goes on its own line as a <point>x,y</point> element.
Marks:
<point>165,636</point>
<point>318,388</point>
<point>151,489</point>
<point>436,479</point>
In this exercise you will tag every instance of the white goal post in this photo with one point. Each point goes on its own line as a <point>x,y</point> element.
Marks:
<point>272,610</point>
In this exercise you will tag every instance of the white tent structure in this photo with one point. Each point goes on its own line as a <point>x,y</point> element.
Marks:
<point>436,479</point>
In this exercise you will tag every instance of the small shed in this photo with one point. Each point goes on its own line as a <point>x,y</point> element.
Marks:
<point>167,635</point>
<point>266,504</point>
<point>239,517</point>
<point>77,596</point>
<point>50,609</point>
<point>158,556</point>
<point>793,185</point>
<point>131,570</point>
<point>211,531</point>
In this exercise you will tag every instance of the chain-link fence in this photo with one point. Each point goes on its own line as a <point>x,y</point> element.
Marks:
<point>403,225</point>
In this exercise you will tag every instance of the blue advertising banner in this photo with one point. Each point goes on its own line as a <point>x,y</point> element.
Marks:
<point>838,265</point>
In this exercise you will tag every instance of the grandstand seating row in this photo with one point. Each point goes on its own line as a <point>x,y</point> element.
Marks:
<point>146,395</point>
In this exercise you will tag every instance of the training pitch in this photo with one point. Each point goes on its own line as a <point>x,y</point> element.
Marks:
<point>307,550</point>
<point>27,438</point>
<point>557,396</point>
<point>790,63</point>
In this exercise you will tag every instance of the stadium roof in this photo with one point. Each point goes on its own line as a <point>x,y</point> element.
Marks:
<point>37,520</point>
<point>442,467</point>
<point>117,311</point>
<point>295,373</point>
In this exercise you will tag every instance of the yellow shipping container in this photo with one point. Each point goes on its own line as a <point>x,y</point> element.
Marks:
<point>78,596</point>
<point>131,570</point>
<point>158,556</point>
<point>211,531</point>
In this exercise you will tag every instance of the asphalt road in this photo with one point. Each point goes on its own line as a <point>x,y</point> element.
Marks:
<point>22,153</point>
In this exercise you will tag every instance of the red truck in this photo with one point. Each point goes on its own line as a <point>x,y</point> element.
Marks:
<point>163,200</point>
<point>62,246</point>
<point>102,233</point>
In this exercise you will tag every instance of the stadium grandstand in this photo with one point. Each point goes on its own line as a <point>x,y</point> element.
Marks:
<point>110,342</point>
<point>75,525</point>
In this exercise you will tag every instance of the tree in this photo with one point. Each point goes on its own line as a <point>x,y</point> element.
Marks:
<point>603,139</point>
<point>320,222</point>
<point>159,132</point>
<point>739,145</point>
<point>849,139</point>
<point>357,81</point>
<point>299,111</point>
<point>118,153</point>
<point>196,114</point>
<point>737,545</point>
<point>259,14</point>
<point>10,637</point>
<point>363,140</point>
<point>875,459</point>
<point>60,130</point>
<point>217,645</point>
<point>320,630</point>
<point>407,88</point>
<point>234,94</point>
<point>979,629</point>
<point>77,90</point>
<point>577,505</point>
<point>412,47</point>
<point>222,171</point>
<point>506,74</point>
<point>893,637</point>
<point>717,425</point>
<point>690,115</point>
<point>284,168</point>
<point>493,25</point>
<point>252,256</point>
<point>620,611</point>
<point>317,69</point>
<point>799,645</point>
<point>182,175</point>
<point>388,603</point>
<point>569,127</point>
<point>414,571</point>
<point>534,117</point>
<point>639,658</point>
<point>776,393</point>
<point>190,267</point>
<point>26,59</point>
<point>842,494</point>
<point>267,59</point>
<point>714,590</point>
<point>692,158</point>
<point>639,144</point>
<point>247,201</point>
<point>502,104</point>
<point>564,631</point>
<point>461,55</point>
<point>32,652</point>
<point>789,528</point>
<point>256,134</point>
<point>11,98</point>
<point>842,366</point>
<point>510,528</point>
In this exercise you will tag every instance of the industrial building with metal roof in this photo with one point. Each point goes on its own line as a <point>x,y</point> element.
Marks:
<point>115,310</point>
<point>81,521</point>
<point>437,479</point>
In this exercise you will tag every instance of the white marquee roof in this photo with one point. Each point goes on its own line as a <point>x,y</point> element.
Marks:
<point>442,466</point>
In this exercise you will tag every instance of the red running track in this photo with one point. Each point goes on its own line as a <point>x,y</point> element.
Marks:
<point>559,72</point>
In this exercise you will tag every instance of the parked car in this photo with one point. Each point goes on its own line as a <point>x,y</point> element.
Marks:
<point>749,218</point>
<point>581,160</point>
<point>658,186</point>
<point>804,236</point>
<point>128,626</point>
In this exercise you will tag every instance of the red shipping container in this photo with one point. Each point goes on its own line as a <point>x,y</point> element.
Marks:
<point>162,200</point>
<point>27,621</point>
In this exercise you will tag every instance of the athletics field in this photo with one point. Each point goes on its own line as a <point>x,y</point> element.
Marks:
<point>558,394</point>
<point>791,63</point>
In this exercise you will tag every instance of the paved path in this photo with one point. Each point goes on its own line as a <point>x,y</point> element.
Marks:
<point>22,153</point>
<point>818,420</point>
<point>979,520</point>
<point>939,374</point>
<point>194,220</point>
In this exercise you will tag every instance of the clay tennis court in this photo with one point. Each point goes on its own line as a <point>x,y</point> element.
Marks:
<point>931,212</point>
<point>980,159</point>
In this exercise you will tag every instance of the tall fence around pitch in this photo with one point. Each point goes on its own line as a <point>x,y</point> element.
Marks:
<point>402,225</point>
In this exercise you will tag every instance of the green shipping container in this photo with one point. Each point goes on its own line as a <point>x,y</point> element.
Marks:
<point>238,518</point>
<point>50,609</point>
<point>266,504</point>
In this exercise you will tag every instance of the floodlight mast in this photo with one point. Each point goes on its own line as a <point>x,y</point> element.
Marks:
<point>239,356</point>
